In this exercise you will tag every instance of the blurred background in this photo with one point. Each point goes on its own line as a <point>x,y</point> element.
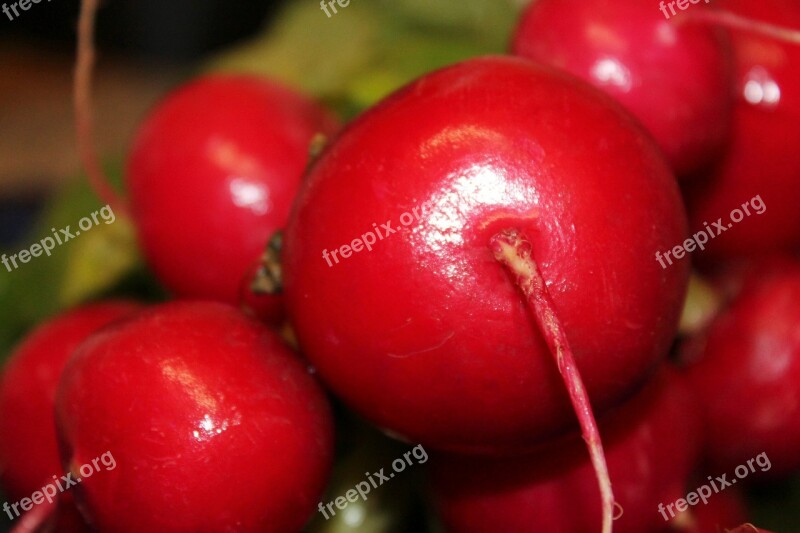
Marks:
<point>146,47</point>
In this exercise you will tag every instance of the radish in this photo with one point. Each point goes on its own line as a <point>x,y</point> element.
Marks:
<point>404,299</point>
<point>211,176</point>
<point>763,158</point>
<point>675,78</point>
<point>748,376</point>
<point>29,449</point>
<point>214,425</point>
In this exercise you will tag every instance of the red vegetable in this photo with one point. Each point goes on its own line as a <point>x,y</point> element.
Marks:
<point>763,158</point>
<point>423,332</point>
<point>212,175</point>
<point>674,77</point>
<point>748,376</point>
<point>29,449</point>
<point>213,425</point>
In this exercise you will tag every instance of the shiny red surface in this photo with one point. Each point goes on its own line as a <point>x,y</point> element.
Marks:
<point>764,158</point>
<point>426,335</point>
<point>212,175</point>
<point>674,77</point>
<point>213,423</point>
<point>651,446</point>
<point>28,447</point>
<point>748,378</point>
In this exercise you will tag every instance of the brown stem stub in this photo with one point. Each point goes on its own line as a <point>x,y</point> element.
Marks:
<point>317,146</point>
<point>515,251</point>
<point>269,276</point>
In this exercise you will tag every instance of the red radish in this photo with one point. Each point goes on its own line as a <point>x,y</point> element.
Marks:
<point>651,442</point>
<point>213,423</point>
<point>489,145</point>
<point>748,377</point>
<point>763,159</point>
<point>482,164</point>
<point>675,78</point>
<point>28,448</point>
<point>211,175</point>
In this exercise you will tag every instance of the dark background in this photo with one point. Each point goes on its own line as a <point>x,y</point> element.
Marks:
<point>146,46</point>
<point>152,29</point>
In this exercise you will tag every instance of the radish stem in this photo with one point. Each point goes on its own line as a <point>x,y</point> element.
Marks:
<point>731,20</point>
<point>84,121</point>
<point>512,249</point>
<point>32,520</point>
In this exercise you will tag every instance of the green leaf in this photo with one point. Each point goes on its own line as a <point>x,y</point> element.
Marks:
<point>306,49</point>
<point>98,261</point>
<point>80,269</point>
<point>370,49</point>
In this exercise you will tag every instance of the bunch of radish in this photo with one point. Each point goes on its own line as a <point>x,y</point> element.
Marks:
<point>469,265</point>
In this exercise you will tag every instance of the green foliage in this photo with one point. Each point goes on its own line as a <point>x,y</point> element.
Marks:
<point>370,48</point>
<point>81,269</point>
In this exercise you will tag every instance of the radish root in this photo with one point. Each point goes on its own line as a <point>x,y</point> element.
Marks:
<point>33,520</point>
<point>733,21</point>
<point>82,102</point>
<point>512,249</point>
